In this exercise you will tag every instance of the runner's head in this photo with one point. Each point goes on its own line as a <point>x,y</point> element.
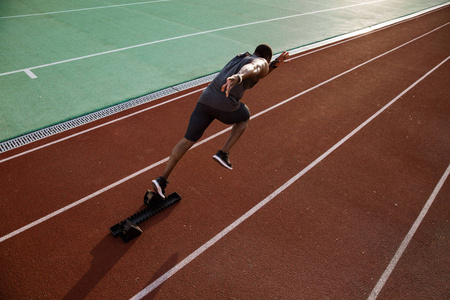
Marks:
<point>264,51</point>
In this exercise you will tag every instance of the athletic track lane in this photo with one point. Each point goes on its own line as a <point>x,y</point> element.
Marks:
<point>330,234</point>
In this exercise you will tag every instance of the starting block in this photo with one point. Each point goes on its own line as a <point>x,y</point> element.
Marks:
<point>128,229</point>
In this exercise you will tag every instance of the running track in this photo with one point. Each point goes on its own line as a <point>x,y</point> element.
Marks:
<point>339,188</point>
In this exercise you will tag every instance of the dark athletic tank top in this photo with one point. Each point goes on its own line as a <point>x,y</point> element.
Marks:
<point>214,97</point>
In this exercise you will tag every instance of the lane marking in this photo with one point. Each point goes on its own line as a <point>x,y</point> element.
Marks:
<point>257,207</point>
<point>101,191</point>
<point>186,36</point>
<point>43,219</point>
<point>310,89</point>
<point>348,71</point>
<point>380,284</point>
<point>81,9</point>
<point>31,74</point>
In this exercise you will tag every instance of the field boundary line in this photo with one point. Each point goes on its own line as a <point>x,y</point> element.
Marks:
<point>185,36</point>
<point>81,9</point>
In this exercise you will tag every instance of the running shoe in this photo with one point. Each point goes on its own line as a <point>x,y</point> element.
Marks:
<point>159,186</point>
<point>222,159</point>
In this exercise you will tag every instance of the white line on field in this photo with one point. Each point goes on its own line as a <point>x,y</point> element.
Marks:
<point>31,74</point>
<point>81,9</point>
<point>185,36</point>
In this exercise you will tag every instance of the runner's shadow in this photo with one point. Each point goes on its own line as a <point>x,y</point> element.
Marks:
<point>105,256</point>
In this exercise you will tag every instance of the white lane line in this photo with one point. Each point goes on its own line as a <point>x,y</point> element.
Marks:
<point>281,103</point>
<point>186,36</point>
<point>380,284</point>
<point>81,9</point>
<point>59,211</point>
<point>348,71</point>
<point>31,74</point>
<point>257,207</point>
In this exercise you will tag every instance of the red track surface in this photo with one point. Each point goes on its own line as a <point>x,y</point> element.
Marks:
<point>329,235</point>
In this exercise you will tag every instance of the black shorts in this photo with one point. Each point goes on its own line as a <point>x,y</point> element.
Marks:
<point>203,115</point>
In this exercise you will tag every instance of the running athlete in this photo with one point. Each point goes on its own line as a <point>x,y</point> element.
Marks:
<point>220,100</point>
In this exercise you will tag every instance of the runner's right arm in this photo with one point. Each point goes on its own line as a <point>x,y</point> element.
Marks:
<point>257,69</point>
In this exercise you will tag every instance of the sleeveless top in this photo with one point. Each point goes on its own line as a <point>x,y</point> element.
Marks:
<point>214,97</point>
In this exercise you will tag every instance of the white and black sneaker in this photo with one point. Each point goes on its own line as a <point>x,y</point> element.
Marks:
<point>159,186</point>
<point>222,159</point>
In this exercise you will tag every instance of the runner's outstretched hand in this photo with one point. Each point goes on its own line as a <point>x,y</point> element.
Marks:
<point>280,60</point>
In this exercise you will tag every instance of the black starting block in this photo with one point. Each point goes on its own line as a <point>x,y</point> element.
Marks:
<point>128,229</point>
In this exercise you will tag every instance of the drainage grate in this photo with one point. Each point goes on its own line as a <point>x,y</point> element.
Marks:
<point>58,128</point>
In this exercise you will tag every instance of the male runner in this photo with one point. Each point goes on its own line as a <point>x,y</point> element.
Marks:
<point>220,100</point>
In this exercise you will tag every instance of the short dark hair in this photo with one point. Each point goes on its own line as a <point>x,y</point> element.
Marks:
<point>264,51</point>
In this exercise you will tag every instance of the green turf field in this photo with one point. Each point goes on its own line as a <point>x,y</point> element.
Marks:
<point>60,59</point>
